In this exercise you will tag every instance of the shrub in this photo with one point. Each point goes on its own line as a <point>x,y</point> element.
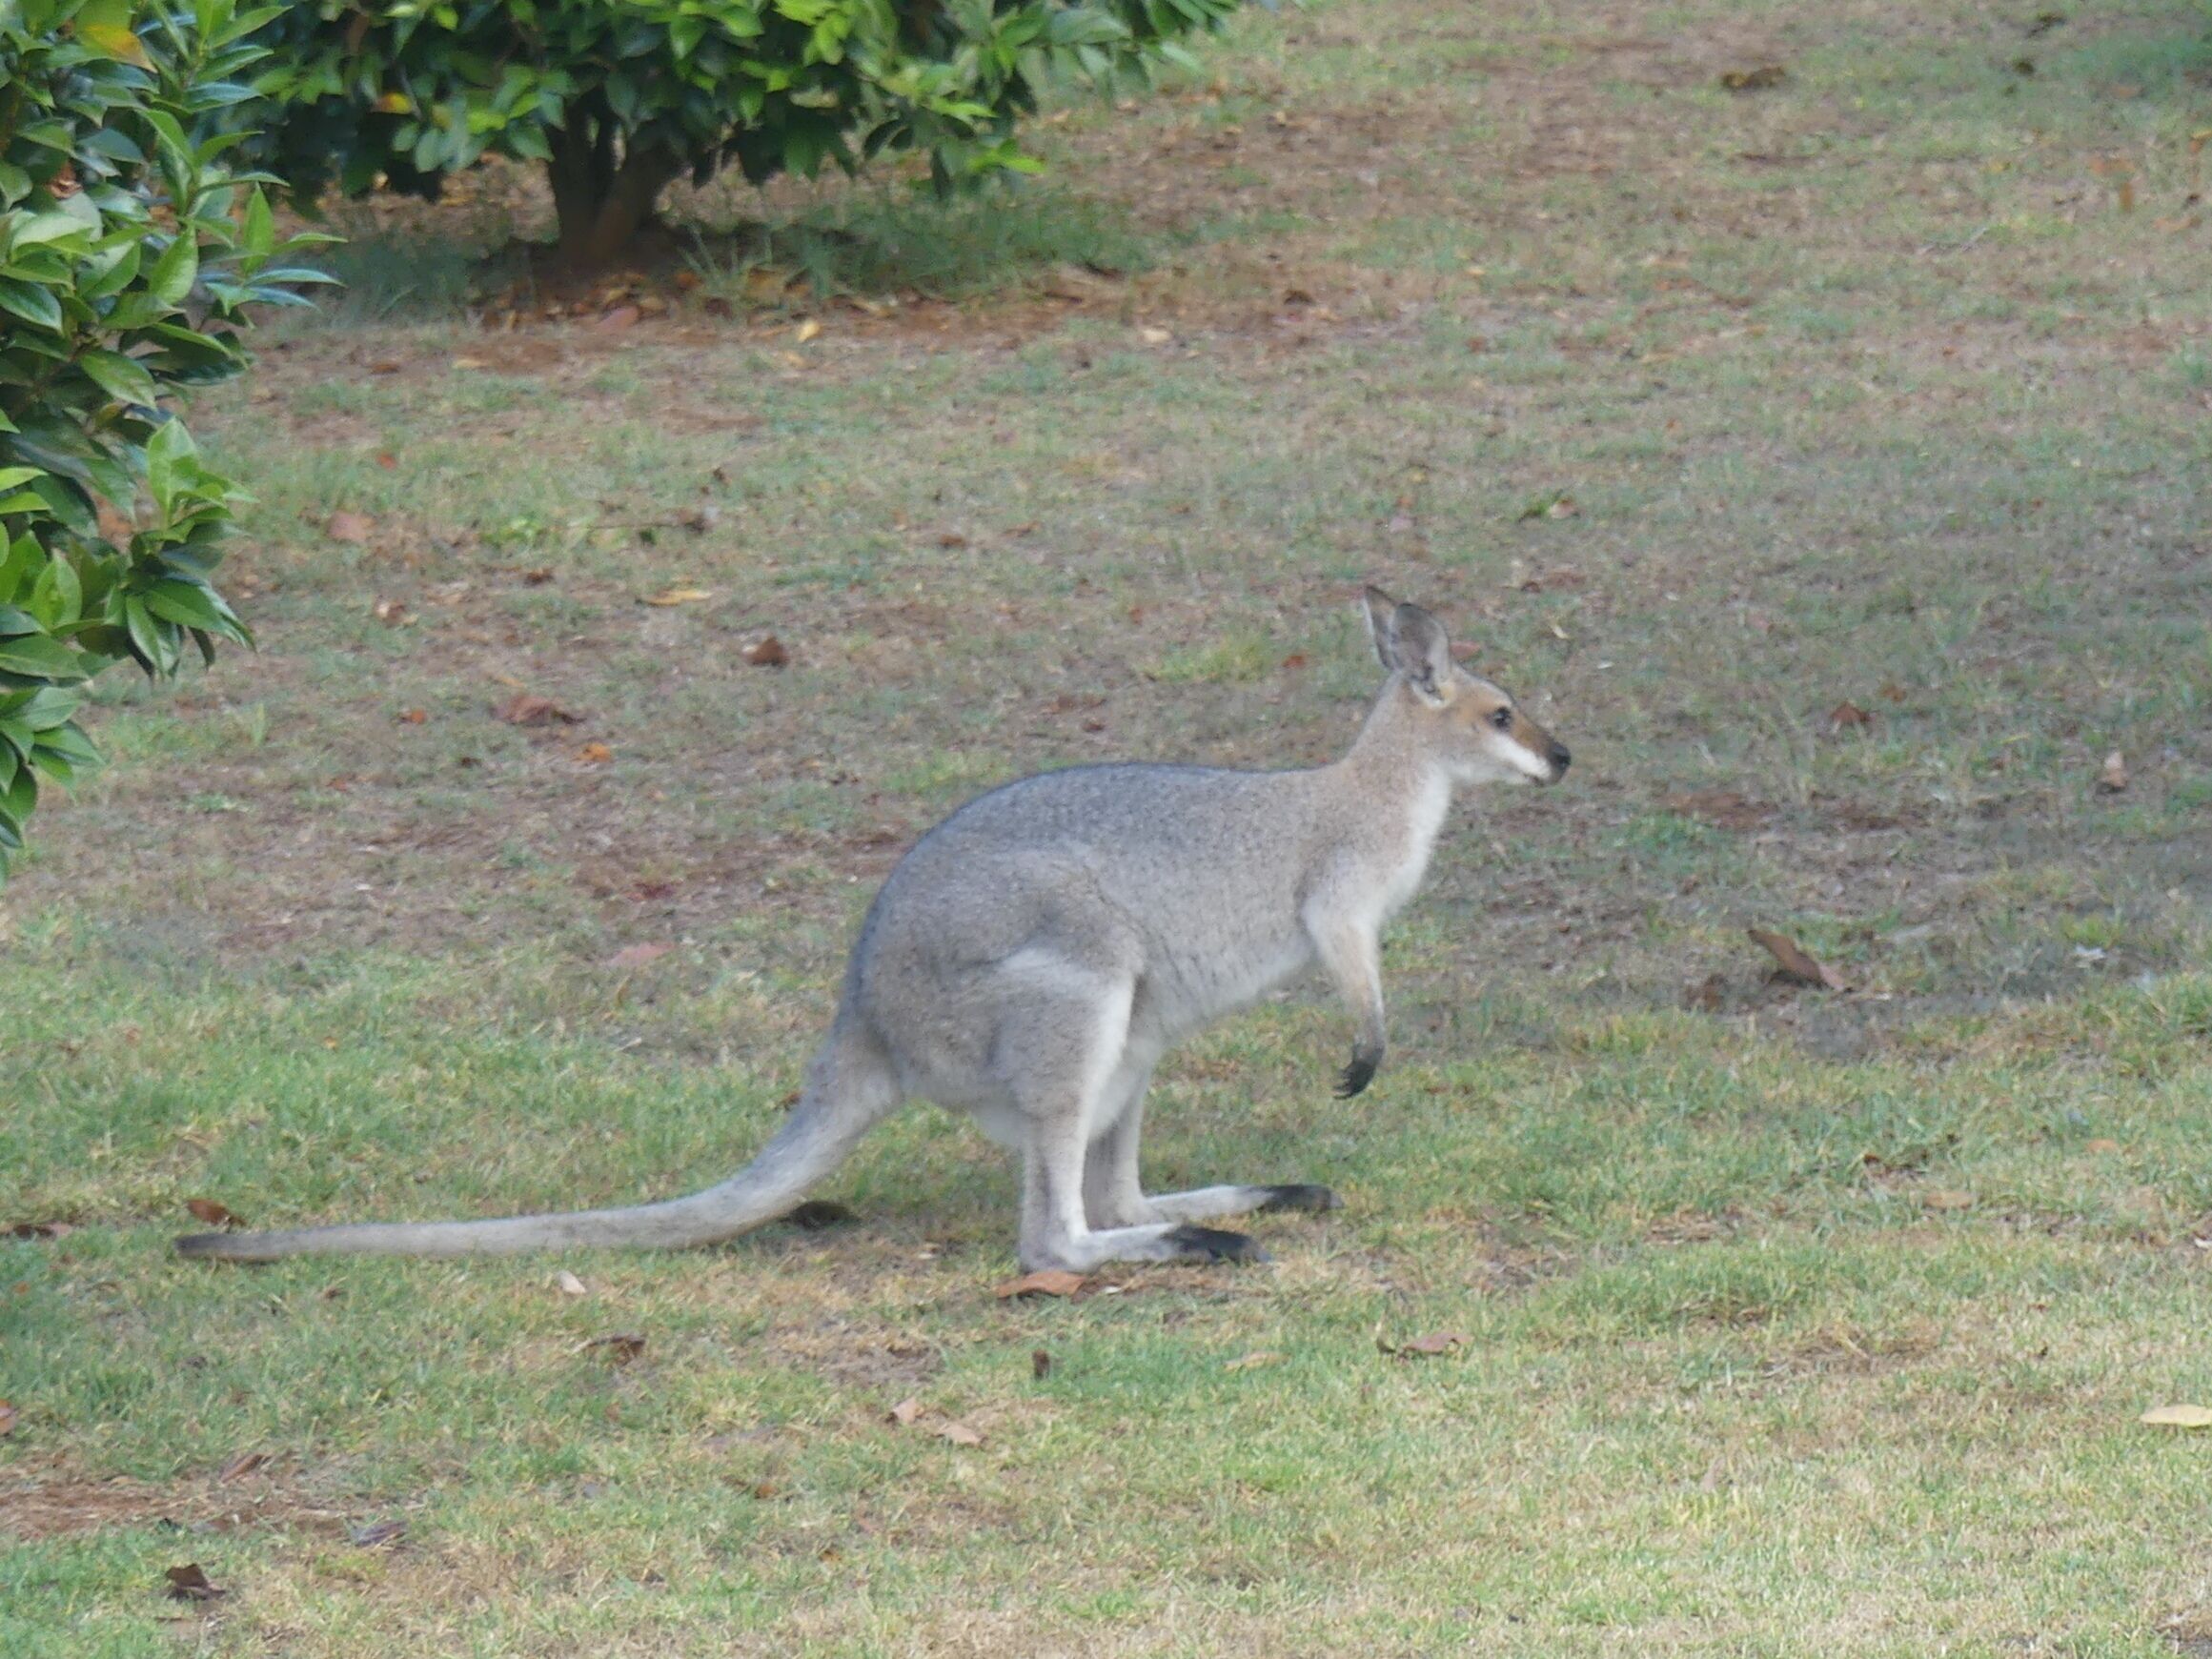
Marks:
<point>619,97</point>
<point>128,255</point>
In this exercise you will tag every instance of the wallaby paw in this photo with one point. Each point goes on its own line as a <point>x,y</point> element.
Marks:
<point>1302,1196</point>
<point>1213,1244</point>
<point>1357,1075</point>
<point>816,1213</point>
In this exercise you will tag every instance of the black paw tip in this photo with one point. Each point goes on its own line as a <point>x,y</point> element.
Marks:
<point>1302,1196</point>
<point>1216,1244</point>
<point>1357,1077</point>
<point>816,1213</point>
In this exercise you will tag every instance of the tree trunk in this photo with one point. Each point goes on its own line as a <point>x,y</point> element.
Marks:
<point>601,205</point>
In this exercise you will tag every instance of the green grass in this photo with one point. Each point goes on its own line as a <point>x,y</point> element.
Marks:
<point>1794,1321</point>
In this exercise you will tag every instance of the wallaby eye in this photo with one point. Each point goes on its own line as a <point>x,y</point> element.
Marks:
<point>1502,718</point>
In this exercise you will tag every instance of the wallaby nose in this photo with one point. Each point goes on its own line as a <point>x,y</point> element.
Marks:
<point>1560,757</point>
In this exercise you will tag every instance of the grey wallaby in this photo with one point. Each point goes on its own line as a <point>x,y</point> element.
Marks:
<point>1033,957</point>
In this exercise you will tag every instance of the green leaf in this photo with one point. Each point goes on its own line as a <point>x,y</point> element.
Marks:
<point>33,304</point>
<point>170,279</point>
<point>187,604</point>
<point>122,378</point>
<point>40,657</point>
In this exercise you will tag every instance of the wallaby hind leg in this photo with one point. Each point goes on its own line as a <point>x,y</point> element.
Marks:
<point>1074,1068</point>
<point>1114,1196</point>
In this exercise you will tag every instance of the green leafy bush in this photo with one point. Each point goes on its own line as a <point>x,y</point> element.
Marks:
<point>619,97</point>
<point>128,255</point>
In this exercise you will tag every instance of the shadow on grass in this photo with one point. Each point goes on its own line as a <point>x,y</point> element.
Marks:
<point>859,242</point>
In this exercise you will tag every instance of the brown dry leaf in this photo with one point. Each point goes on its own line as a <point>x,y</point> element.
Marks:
<point>2177,1417</point>
<point>527,709</point>
<point>8,1418</point>
<point>40,1231</point>
<point>1847,714</point>
<point>470,363</point>
<point>1154,337</point>
<point>244,1464</point>
<point>1295,661</point>
<point>1441,1342</point>
<point>959,1433</point>
<point>189,1584</point>
<point>386,459</point>
<point>1252,1362</point>
<point>621,1346</point>
<point>2112,777</point>
<point>538,577</point>
<point>382,1532</point>
<point>1052,1281</point>
<point>1562,508</point>
<point>618,319</point>
<point>637,956</point>
<point>767,653</point>
<point>951,539</point>
<point>809,330</point>
<point>595,754</point>
<point>569,1284</point>
<point>1705,996</point>
<point>1040,1362</point>
<point>350,528</point>
<point>389,611</point>
<point>1721,808</point>
<point>679,597</point>
<point>907,1413</point>
<point>1943,1198</point>
<point>2127,195</point>
<point>1798,964</point>
<point>2102,1145</point>
<point>212,1213</point>
<point>1754,80</point>
<point>414,716</point>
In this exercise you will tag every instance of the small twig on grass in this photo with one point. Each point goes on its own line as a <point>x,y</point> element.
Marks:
<point>1932,246</point>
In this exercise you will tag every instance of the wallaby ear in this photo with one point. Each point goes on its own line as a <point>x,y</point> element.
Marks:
<point>1379,607</point>
<point>1420,651</point>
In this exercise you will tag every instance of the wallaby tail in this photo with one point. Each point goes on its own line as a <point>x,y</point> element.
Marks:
<point>837,1109</point>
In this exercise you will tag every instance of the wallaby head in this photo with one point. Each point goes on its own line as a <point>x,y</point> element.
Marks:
<point>1473,727</point>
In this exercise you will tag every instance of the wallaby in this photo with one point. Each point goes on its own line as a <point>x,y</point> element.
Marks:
<point>1033,957</point>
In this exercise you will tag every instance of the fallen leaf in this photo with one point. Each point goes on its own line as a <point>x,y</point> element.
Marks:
<point>1705,995</point>
<point>1797,965</point>
<point>189,1584</point>
<point>679,597</point>
<point>816,1213</point>
<point>698,520</point>
<point>1944,1199</point>
<point>621,1346</point>
<point>767,653</point>
<point>526,710</point>
<point>244,1464</point>
<point>595,754</point>
<point>1252,1362</point>
<point>618,319</point>
<point>2127,195</point>
<point>8,1418</point>
<point>1721,808</point>
<point>1846,715</point>
<point>386,459</point>
<point>1154,337</point>
<point>470,363</point>
<point>1562,508</point>
<point>1295,661</point>
<point>2102,1145</point>
<point>414,716</point>
<point>951,539</point>
<point>389,611</point>
<point>637,956</point>
<point>351,528</point>
<point>538,577</point>
<point>40,1231</point>
<point>214,1214</point>
<point>2112,778</point>
<point>569,1284</point>
<point>2177,1417</point>
<point>1040,1362</point>
<point>1753,80</point>
<point>1051,1282</point>
<point>809,330</point>
<point>905,1413</point>
<point>959,1433</point>
<point>1441,1342</point>
<point>382,1532</point>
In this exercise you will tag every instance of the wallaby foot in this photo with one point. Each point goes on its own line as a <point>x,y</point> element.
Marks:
<point>1083,1252</point>
<point>1302,1195</point>
<point>1203,1203</point>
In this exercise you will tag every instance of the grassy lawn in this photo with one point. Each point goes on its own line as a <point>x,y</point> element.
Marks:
<point>1824,461</point>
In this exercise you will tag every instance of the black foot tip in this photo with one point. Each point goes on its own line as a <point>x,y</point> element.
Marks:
<point>1302,1196</point>
<point>1357,1077</point>
<point>1216,1244</point>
